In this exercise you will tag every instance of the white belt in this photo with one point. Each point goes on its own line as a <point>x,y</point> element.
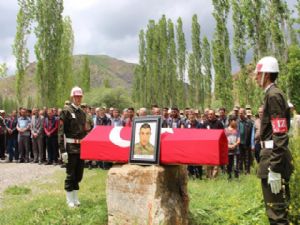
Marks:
<point>267,144</point>
<point>72,141</point>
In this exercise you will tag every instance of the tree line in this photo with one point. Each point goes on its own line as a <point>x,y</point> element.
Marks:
<point>170,74</point>
<point>53,50</point>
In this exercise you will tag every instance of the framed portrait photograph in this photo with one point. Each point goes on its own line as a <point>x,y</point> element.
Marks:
<point>145,140</point>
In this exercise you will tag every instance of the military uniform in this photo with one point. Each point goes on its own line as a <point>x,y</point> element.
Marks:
<point>276,156</point>
<point>73,128</point>
<point>143,150</point>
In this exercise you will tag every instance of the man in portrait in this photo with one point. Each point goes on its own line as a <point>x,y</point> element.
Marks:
<point>144,147</point>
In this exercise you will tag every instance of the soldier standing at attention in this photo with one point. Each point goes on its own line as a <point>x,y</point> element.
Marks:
<point>275,166</point>
<point>72,130</point>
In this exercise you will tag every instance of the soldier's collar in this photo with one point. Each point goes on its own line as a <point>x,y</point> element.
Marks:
<point>268,87</point>
<point>75,106</point>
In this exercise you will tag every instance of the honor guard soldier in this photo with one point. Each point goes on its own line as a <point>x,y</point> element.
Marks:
<point>275,166</point>
<point>72,131</point>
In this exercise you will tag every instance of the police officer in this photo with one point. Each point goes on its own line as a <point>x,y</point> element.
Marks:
<point>275,166</point>
<point>72,131</point>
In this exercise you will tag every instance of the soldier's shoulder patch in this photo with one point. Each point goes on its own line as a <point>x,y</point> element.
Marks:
<point>279,125</point>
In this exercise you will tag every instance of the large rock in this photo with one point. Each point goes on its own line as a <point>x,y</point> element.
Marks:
<point>150,195</point>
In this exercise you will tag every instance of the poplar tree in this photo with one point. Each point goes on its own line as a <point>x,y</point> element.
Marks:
<point>150,60</point>
<point>206,63</point>
<point>257,29</point>
<point>181,64</point>
<point>240,50</point>
<point>65,77</point>
<point>49,31</point>
<point>221,55</point>
<point>162,62</point>
<point>192,70</point>
<point>86,74</point>
<point>20,50</point>
<point>171,67</point>
<point>196,47</point>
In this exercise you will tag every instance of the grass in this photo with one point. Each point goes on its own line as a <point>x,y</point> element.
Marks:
<point>212,202</point>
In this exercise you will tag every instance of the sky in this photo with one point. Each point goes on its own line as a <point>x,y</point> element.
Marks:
<point>111,27</point>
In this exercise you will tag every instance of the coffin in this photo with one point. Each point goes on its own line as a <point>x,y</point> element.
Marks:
<point>177,146</point>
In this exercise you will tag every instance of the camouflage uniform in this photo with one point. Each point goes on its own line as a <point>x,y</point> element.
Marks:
<point>143,150</point>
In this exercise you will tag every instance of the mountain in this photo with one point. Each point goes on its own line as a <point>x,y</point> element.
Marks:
<point>104,69</point>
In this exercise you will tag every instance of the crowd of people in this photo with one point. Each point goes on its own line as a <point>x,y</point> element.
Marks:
<point>31,136</point>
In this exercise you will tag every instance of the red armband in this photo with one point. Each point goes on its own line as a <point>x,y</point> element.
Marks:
<point>279,125</point>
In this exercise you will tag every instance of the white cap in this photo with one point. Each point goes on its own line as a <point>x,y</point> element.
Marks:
<point>267,64</point>
<point>76,91</point>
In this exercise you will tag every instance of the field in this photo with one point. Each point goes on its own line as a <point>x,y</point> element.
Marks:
<point>212,202</point>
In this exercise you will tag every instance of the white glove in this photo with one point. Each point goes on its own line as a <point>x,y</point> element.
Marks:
<point>64,157</point>
<point>274,179</point>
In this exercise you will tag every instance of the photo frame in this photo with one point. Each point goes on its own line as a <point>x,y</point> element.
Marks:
<point>145,140</point>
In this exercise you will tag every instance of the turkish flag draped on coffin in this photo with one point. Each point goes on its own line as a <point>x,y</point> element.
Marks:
<point>177,146</point>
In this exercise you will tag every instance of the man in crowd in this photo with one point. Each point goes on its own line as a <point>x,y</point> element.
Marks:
<point>102,119</point>
<point>72,126</point>
<point>51,131</point>
<point>143,112</point>
<point>23,127</point>
<point>129,117</point>
<point>222,117</point>
<point>12,137</point>
<point>257,140</point>
<point>193,123</point>
<point>275,166</point>
<point>2,134</point>
<point>245,127</point>
<point>212,123</point>
<point>37,133</point>
<point>116,119</point>
<point>165,118</point>
<point>175,120</point>
<point>144,147</point>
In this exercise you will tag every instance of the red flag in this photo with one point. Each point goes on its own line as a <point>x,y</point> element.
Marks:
<point>178,146</point>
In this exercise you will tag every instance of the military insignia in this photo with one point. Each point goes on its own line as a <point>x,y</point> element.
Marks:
<point>279,125</point>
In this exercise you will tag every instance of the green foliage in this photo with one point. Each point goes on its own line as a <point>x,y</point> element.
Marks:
<point>17,190</point>
<point>206,62</point>
<point>30,102</point>
<point>294,76</point>
<point>221,55</point>
<point>220,202</point>
<point>20,51</point>
<point>181,63</point>
<point>65,75</point>
<point>211,202</point>
<point>295,179</point>
<point>46,203</point>
<point>49,32</point>
<point>197,84</point>
<point>109,97</point>
<point>8,104</point>
<point>86,75</point>
<point>3,70</point>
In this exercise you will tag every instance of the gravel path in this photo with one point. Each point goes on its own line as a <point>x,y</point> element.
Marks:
<point>22,173</point>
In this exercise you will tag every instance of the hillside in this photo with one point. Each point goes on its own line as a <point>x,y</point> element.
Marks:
<point>116,72</point>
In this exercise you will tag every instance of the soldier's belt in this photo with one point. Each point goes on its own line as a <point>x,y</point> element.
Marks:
<point>72,141</point>
<point>267,144</point>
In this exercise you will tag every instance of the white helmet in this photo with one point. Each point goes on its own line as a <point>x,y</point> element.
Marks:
<point>267,64</point>
<point>76,91</point>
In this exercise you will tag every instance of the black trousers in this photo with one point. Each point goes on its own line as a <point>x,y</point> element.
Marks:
<point>276,205</point>
<point>245,158</point>
<point>74,169</point>
<point>2,145</point>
